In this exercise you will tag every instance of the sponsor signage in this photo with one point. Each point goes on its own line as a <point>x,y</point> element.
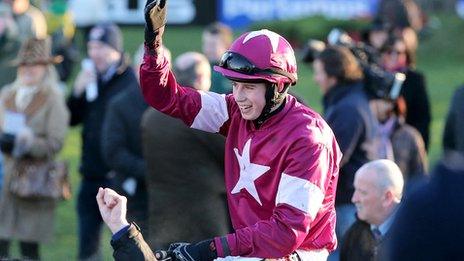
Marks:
<point>180,12</point>
<point>240,13</point>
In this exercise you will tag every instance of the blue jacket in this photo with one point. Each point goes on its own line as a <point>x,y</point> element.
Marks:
<point>348,113</point>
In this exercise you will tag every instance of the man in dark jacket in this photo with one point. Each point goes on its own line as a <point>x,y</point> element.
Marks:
<point>185,169</point>
<point>378,192</point>
<point>107,75</point>
<point>122,149</point>
<point>347,112</point>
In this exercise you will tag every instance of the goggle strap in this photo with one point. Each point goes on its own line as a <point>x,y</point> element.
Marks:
<point>284,73</point>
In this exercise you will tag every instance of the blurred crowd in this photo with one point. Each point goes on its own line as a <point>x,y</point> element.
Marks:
<point>388,205</point>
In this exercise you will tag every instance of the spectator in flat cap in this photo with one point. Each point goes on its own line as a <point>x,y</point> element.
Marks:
<point>35,95</point>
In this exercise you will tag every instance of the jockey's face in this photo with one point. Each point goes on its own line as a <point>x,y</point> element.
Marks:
<point>250,98</point>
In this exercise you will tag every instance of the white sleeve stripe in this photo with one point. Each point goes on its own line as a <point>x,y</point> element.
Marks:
<point>299,193</point>
<point>213,112</point>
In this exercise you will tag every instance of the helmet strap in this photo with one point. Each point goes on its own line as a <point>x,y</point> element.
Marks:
<point>273,97</point>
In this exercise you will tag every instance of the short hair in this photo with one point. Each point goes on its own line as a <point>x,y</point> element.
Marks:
<point>188,66</point>
<point>221,30</point>
<point>339,62</point>
<point>388,175</point>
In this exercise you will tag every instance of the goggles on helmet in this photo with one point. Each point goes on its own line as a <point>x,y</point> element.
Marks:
<point>238,63</point>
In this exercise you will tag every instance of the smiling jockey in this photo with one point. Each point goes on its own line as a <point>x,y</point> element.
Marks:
<point>281,158</point>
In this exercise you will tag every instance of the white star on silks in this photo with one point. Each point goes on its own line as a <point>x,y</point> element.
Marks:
<point>249,172</point>
<point>273,37</point>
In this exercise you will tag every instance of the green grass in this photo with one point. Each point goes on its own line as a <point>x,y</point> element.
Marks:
<point>440,57</point>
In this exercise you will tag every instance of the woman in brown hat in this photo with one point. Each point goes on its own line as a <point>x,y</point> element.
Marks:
<point>33,122</point>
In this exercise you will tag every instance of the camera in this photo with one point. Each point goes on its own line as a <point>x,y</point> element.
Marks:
<point>312,49</point>
<point>379,84</point>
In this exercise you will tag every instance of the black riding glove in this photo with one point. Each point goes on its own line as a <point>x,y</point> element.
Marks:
<point>155,19</point>
<point>202,251</point>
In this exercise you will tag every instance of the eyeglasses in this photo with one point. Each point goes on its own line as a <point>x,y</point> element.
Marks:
<point>238,63</point>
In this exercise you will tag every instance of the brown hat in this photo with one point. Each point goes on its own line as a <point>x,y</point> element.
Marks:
<point>36,51</point>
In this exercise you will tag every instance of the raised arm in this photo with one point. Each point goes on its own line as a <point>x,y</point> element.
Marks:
<point>127,240</point>
<point>206,111</point>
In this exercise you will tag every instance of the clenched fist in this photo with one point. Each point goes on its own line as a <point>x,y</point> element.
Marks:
<point>113,208</point>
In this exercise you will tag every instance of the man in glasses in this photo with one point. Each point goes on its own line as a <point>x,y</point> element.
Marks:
<point>281,158</point>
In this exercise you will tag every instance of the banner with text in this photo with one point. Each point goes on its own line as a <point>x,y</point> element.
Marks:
<point>240,13</point>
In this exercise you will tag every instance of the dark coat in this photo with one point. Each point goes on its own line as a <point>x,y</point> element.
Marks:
<point>358,243</point>
<point>122,148</point>
<point>121,135</point>
<point>348,113</point>
<point>453,135</point>
<point>132,246</point>
<point>418,113</point>
<point>185,181</point>
<point>409,151</point>
<point>92,115</point>
<point>429,224</point>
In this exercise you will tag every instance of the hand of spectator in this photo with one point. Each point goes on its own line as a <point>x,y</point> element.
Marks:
<point>23,142</point>
<point>155,19</point>
<point>113,208</point>
<point>84,78</point>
